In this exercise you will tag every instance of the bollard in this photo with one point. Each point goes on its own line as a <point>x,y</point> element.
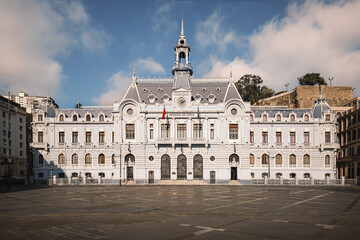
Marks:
<point>281,180</point>
<point>342,180</point>
<point>84,180</point>
<point>296,181</point>
<point>54,180</point>
<point>99,179</point>
<point>265,180</point>
<point>312,181</point>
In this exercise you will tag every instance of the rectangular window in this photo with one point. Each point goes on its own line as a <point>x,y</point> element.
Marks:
<point>354,118</point>
<point>40,118</point>
<point>20,119</point>
<point>113,137</point>
<point>306,137</point>
<point>4,114</point>
<point>88,137</point>
<point>101,137</point>
<point>212,131</point>
<point>151,132</point>
<point>353,134</point>
<point>165,130</point>
<point>181,130</point>
<point>21,136</point>
<point>252,137</point>
<point>40,137</point>
<point>265,137</point>
<point>292,137</point>
<point>130,131</point>
<point>233,131</point>
<point>21,128</point>
<point>74,137</point>
<point>198,130</point>
<point>358,133</point>
<point>21,153</point>
<point>358,150</point>
<point>61,137</point>
<point>21,145</point>
<point>278,137</point>
<point>327,117</point>
<point>327,137</point>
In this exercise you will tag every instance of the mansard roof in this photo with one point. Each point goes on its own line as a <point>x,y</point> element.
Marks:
<point>146,89</point>
<point>299,113</point>
<point>82,112</point>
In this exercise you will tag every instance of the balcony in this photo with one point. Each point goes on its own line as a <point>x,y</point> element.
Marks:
<point>42,145</point>
<point>182,141</point>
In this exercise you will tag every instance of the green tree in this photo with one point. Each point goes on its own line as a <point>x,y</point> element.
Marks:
<point>311,79</point>
<point>250,89</point>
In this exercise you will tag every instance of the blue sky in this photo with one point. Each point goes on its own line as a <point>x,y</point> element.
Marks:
<point>87,49</point>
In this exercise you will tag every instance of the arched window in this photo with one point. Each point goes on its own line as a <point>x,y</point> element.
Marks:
<point>61,159</point>
<point>113,159</point>
<point>264,175</point>
<point>74,174</point>
<point>251,118</point>
<point>61,118</point>
<point>88,159</point>
<point>327,160</point>
<point>306,160</point>
<point>265,159</point>
<point>41,159</point>
<point>88,118</point>
<point>306,175</point>
<point>74,159</point>
<point>234,158</point>
<point>252,159</point>
<point>292,175</point>
<point>131,158</point>
<point>327,175</point>
<point>88,175</point>
<point>252,175</point>
<point>278,159</point>
<point>278,175</point>
<point>292,118</point>
<point>306,118</point>
<point>75,118</point>
<point>101,118</point>
<point>264,118</point>
<point>278,117</point>
<point>102,175</point>
<point>101,159</point>
<point>292,159</point>
<point>61,175</point>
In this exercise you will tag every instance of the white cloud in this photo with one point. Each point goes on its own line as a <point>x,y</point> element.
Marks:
<point>163,19</point>
<point>148,65</point>
<point>116,86</point>
<point>33,34</point>
<point>313,37</point>
<point>212,31</point>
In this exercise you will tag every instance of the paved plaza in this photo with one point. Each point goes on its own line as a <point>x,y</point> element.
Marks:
<point>180,212</point>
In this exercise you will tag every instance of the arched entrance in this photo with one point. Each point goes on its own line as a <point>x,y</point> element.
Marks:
<point>198,166</point>
<point>234,161</point>
<point>130,162</point>
<point>165,167</point>
<point>181,166</point>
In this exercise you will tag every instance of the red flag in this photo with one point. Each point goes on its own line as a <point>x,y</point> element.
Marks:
<point>164,113</point>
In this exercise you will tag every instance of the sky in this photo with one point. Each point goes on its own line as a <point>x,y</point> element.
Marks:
<point>87,50</point>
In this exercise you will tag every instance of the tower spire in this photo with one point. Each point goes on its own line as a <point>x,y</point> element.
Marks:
<point>182,27</point>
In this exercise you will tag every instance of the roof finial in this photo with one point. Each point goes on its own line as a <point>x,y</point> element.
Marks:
<point>182,27</point>
<point>134,74</point>
<point>231,73</point>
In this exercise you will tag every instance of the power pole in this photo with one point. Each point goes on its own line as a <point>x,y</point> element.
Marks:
<point>286,85</point>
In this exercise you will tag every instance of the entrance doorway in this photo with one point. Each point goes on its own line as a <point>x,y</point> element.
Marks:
<point>233,173</point>
<point>130,173</point>
<point>181,167</point>
<point>165,167</point>
<point>212,177</point>
<point>151,176</point>
<point>198,167</point>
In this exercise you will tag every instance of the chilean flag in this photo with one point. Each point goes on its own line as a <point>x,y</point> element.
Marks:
<point>164,113</point>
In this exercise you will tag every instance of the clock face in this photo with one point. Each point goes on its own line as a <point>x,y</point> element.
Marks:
<point>181,102</point>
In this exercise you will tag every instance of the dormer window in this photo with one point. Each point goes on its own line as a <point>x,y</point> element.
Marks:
<point>40,118</point>
<point>306,118</point>
<point>197,98</point>
<point>61,118</point>
<point>327,117</point>
<point>278,117</point>
<point>74,118</point>
<point>251,118</point>
<point>101,118</point>
<point>88,118</point>
<point>264,118</point>
<point>292,118</point>
<point>151,98</point>
<point>211,98</point>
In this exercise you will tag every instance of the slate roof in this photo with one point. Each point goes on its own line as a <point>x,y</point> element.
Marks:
<point>95,113</point>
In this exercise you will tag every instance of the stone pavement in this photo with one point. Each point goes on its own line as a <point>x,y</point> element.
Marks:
<point>179,212</point>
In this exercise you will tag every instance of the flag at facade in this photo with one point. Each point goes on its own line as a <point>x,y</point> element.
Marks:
<point>164,113</point>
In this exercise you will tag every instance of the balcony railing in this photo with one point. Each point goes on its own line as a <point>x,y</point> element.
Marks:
<point>182,140</point>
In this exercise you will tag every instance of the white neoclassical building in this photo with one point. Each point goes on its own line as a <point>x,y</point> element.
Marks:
<point>184,128</point>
